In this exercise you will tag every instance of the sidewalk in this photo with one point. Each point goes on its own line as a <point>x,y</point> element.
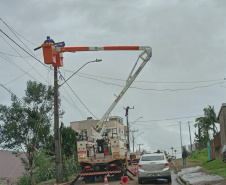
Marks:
<point>193,174</point>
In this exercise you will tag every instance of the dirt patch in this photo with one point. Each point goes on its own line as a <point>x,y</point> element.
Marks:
<point>177,165</point>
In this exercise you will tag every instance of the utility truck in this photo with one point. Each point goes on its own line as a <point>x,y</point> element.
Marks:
<point>99,155</point>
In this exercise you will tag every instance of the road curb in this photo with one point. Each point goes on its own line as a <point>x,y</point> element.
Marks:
<point>183,181</point>
<point>180,177</point>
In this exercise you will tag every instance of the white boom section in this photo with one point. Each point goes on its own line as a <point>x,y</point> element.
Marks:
<point>132,76</point>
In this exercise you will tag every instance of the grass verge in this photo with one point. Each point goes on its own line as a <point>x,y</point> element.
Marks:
<point>216,166</point>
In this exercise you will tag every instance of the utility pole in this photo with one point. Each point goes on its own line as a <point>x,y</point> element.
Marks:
<point>58,159</point>
<point>133,137</point>
<point>190,135</point>
<point>127,114</point>
<point>180,138</point>
<point>139,146</point>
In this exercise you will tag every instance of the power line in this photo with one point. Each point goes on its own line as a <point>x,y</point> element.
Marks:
<point>153,89</point>
<point>16,32</point>
<point>74,105</point>
<point>171,118</point>
<point>176,82</point>
<point>19,56</point>
<point>159,126</point>
<point>23,49</point>
<point>33,56</point>
<point>14,95</point>
<point>78,97</point>
<point>18,67</point>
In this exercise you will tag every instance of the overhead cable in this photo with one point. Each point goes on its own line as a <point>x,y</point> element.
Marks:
<point>78,97</point>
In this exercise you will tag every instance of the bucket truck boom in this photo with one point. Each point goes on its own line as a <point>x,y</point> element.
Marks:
<point>132,76</point>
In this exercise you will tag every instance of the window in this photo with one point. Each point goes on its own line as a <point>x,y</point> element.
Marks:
<point>84,133</point>
<point>152,158</point>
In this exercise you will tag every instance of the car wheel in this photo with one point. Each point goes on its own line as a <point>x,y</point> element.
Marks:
<point>139,180</point>
<point>169,180</point>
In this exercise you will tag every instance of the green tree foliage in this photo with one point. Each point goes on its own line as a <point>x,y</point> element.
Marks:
<point>45,166</point>
<point>69,150</point>
<point>69,141</point>
<point>26,125</point>
<point>205,125</point>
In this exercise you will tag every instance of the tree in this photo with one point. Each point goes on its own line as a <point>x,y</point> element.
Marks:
<point>206,124</point>
<point>69,141</point>
<point>211,118</point>
<point>26,125</point>
<point>69,150</point>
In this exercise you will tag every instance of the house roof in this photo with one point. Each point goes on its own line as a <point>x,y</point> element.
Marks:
<point>10,165</point>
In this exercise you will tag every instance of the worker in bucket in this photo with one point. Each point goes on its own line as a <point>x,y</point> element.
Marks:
<point>49,40</point>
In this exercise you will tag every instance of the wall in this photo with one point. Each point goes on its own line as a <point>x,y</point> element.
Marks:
<point>222,120</point>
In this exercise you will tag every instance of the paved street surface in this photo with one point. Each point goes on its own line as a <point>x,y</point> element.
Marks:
<point>195,175</point>
<point>192,175</point>
<point>175,181</point>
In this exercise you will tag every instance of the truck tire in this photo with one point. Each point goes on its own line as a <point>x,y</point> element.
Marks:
<point>117,176</point>
<point>86,179</point>
<point>92,179</point>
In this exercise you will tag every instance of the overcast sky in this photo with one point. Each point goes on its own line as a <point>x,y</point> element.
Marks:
<point>185,74</point>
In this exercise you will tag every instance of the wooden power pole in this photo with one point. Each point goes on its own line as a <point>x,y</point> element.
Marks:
<point>58,158</point>
<point>127,114</point>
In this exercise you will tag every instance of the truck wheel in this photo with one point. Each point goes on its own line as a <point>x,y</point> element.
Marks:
<point>86,179</point>
<point>117,176</point>
<point>92,179</point>
<point>139,180</point>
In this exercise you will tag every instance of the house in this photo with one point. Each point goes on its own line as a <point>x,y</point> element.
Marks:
<point>114,126</point>
<point>222,120</point>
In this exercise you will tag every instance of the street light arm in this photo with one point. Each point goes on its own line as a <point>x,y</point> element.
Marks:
<point>135,121</point>
<point>97,60</point>
<point>138,135</point>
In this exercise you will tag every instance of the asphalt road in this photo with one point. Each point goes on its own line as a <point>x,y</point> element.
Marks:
<point>175,181</point>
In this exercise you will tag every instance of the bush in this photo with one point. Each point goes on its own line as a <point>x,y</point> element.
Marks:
<point>45,167</point>
<point>69,167</point>
<point>201,155</point>
<point>25,180</point>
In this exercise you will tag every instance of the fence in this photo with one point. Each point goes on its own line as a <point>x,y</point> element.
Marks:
<point>215,145</point>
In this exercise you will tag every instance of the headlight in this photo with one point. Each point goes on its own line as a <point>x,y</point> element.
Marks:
<point>82,156</point>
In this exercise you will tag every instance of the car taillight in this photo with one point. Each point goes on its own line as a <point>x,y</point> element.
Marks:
<point>87,167</point>
<point>112,165</point>
<point>167,165</point>
<point>139,166</point>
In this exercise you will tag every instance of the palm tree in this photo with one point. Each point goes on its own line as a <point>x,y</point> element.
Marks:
<point>211,118</point>
<point>205,124</point>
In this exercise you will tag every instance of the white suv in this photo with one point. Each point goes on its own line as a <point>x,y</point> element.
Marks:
<point>153,166</point>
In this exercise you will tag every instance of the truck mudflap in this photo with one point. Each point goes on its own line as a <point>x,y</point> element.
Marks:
<point>100,173</point>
